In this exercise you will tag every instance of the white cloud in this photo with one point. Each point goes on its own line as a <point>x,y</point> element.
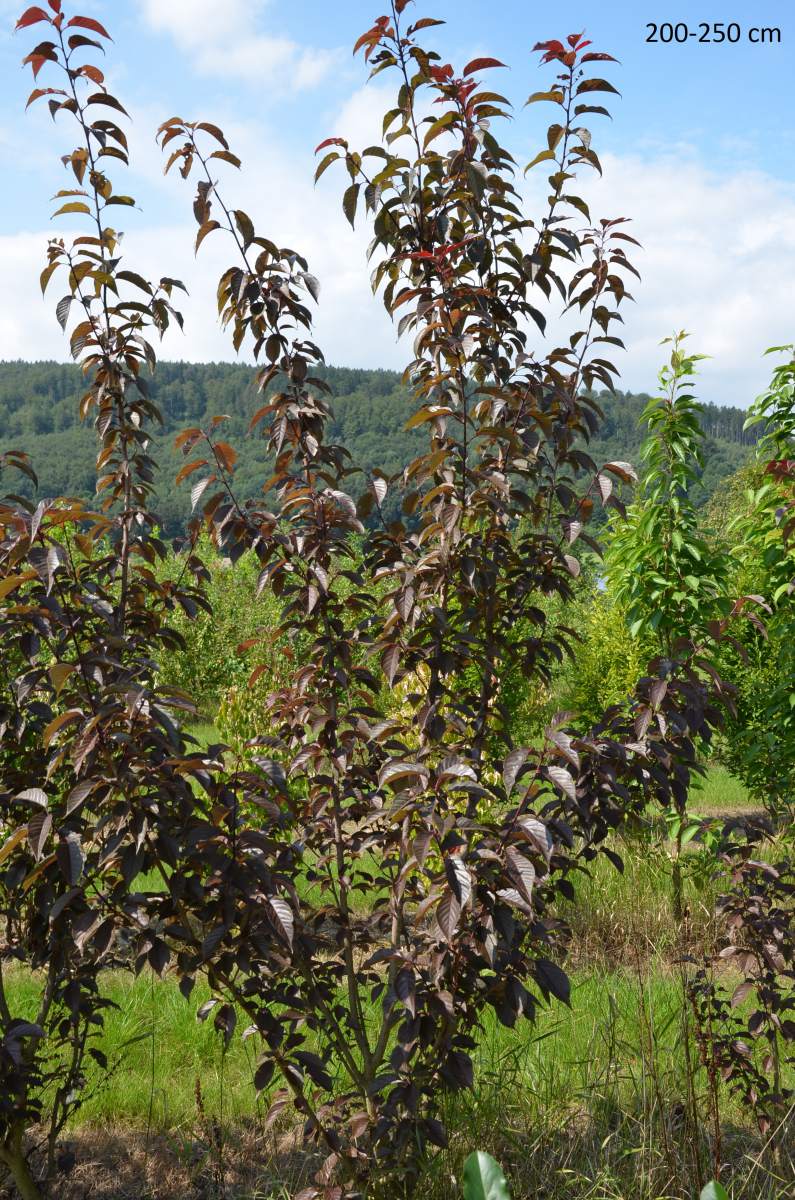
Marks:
<point>27,328</point>
<point>360,120</point>
<point>224,38</point>
<point>717,259</point>
<point>195,22</point>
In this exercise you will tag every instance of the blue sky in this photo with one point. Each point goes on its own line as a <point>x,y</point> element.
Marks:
<point>699,155</point>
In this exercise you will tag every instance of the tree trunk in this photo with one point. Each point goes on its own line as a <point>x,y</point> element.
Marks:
<point>21,1173</point>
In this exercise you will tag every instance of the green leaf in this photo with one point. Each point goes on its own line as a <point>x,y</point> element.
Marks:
<point>714,1191</point>
<point>326,162</point>
<point>349,202</point>
<point>542,157</point>
<point>245,225</point>
<point>484,1180</point>
<point>136,279</point>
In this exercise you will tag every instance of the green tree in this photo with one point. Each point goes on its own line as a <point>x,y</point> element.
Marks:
<point>661,566</point>
<point>659,562</point>
<point>760,746</point>
<point>371,409</point>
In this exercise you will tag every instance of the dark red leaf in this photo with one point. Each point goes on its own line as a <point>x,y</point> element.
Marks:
<point>39,828</point>
<point>435,1132</point>
<point>370,38</point>
<point>458,877</point>
<point>458,1070</point>
<point>424,23</point>
<point>264,1074</point>
<point>511,768</point>
<point>596,85</point>
<point>32,16</point>
<point>37,61</point>
<point>549,47</point>
<point>89,23</point>
<point>77,40</point>
<point>70,857</point>
<point>332,141</point>
<point>481,64</point>
<point>404,989</point>
<point>552,980</point>
<point>39,92</point>
<point>92,73</point>
<point>447,915</point>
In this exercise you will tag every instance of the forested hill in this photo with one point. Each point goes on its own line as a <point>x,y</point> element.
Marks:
<point>38,414</point>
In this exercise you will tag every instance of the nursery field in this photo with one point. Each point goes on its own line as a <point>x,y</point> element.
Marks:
<point>415,826</point>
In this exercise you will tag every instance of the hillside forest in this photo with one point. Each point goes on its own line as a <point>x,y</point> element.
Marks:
<point>39,405</point>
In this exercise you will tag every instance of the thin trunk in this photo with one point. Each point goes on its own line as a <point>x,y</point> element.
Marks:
<point>14,1158</point>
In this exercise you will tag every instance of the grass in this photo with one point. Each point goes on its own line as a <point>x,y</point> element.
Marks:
<point>205,733</point>
<point>593,1101</point>
<point>719,792</point>
<point>587,1102</point>
<point>553,1064</point>
<point>622,918</point>
<point>158,1049</point>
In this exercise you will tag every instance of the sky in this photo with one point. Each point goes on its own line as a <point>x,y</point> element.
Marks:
<point>700,155</point>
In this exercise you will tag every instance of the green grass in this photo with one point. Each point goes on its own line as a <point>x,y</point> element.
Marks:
<point>585,1104</point>
<point>551,1067</point>
<point>625,917</point>
<point>205,733</point>
<point>719,792</point>
<point>157,1048</point>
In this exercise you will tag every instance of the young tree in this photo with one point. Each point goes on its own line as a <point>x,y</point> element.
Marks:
<point>86,763</point>
<point>762,750</point>
<point>671,578</point>
<point>460,840</point>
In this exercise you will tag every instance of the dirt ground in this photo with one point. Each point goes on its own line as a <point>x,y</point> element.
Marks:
<point>127,1165</point>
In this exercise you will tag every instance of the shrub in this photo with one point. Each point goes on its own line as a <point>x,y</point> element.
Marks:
<point>208,660</point>
<point>89,794</point>
<point>608,661</point>
<point>462,839</point>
